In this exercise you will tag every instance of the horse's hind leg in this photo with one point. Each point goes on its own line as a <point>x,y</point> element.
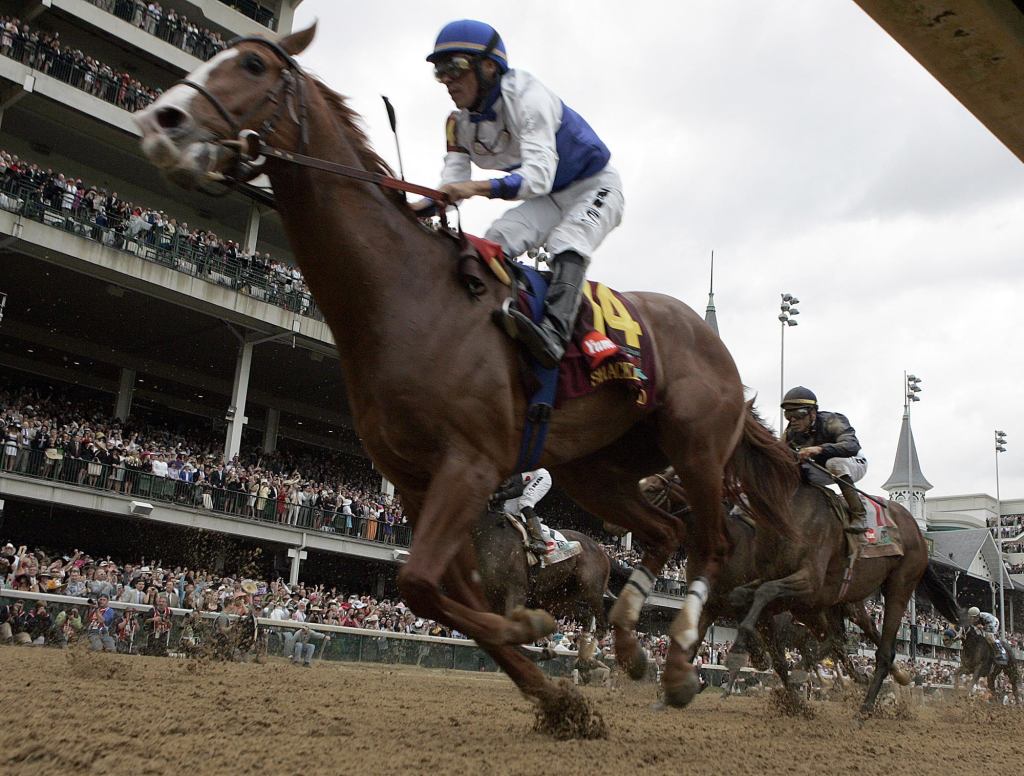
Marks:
<point>897,594</point>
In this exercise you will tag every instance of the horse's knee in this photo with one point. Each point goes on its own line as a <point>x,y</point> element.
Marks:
<point>417,591</point>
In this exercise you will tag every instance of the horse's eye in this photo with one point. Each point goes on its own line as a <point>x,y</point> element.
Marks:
<point>254,65</point>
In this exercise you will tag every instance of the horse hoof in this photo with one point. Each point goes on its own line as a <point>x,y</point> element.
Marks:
<point>538,622</point>
<point>636,667</point>
<point>901,677</point>
<point>681,693</point>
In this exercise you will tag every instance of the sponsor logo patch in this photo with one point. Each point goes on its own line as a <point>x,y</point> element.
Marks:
<point>597,348</point>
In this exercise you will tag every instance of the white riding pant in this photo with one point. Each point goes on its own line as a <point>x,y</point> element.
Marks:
<point>535,490</point>
<point>856,467</point>
<point>577,218</point>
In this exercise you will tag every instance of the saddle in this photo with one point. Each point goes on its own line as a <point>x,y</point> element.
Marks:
<point>610,342</point>
<point>882,537</point>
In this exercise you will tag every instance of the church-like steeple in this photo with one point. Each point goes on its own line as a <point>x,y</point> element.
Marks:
<point>907,484</point>
<point>709,315</point>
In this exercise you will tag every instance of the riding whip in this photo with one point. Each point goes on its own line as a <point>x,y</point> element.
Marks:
<point>394,130</point>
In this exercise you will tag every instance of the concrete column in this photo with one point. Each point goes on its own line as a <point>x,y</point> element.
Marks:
<point>252,229</point>
<point>378,588</point>
<point>297,554</point>
<point>286,16</point>
<point>270,430</point>
<point>387,487</point>
<point>627,541</point>
<point>125,393</point>
<point>236,411</point>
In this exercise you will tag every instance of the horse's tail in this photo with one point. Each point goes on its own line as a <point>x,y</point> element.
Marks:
<point>762,474</point>
<point>940,596</point>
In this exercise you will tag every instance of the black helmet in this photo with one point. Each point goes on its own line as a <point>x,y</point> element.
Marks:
<point>799,397</point>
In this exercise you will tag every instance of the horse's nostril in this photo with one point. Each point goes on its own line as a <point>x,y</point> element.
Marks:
<point>171,118</point>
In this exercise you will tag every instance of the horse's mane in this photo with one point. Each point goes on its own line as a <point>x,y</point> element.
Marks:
<point>350,123</point>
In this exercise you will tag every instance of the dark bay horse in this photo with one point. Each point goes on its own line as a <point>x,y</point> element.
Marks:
<point>978,659</point>
<point>806,576</point>
<point>827,637</point>
<point>572,588</point>
<point>435,388</point>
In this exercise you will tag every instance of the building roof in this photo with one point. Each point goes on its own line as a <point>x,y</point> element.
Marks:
<point>972,47</point>
<point>971,551</point>
<point>709,315</point>
<point>900,477</point>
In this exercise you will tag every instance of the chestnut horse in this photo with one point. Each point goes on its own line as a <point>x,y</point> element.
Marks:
<point>435,388</point>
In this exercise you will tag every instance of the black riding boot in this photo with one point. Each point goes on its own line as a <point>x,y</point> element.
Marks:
<point>547,341</point>
<point>538,545</point>
<point>857,515</point>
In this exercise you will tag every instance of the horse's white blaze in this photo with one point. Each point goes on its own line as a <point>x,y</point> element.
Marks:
<point>181,96</point>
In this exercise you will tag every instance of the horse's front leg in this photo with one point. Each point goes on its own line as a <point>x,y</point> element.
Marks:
<point>457,494</point>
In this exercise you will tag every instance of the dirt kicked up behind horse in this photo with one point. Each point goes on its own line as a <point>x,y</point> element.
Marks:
<point>435,388</point>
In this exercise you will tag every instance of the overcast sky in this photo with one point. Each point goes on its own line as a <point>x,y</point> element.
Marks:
<point>808,150</point>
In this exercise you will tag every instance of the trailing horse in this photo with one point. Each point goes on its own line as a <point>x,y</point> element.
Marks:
<point>574,587</point>
<point>436,390</point>
<point>977,658</point>
<point>811,575</point>
<point>826,639</point>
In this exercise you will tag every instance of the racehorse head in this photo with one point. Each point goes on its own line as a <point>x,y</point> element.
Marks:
<point>201,129</point>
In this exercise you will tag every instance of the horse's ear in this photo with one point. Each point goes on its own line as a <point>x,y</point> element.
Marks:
<point>297,42</point>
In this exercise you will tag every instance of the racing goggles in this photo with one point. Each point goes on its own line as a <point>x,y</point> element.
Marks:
<point>796,414</point>
<point>452,68</point>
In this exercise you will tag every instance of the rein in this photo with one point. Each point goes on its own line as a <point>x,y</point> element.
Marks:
<point>290,94</point>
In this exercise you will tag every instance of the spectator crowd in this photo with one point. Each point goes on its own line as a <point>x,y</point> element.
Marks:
<point>68,202</point>
<point>45,52</point>
<point>50,436</point>
<point>167,24</point>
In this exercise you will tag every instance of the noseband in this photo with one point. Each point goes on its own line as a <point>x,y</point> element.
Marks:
<point>290,93</point>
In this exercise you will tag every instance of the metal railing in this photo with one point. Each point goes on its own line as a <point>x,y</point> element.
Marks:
<point>170,249</point>
<point>344,644</point>
<point>99,81</point>
<point>254,10</point>
<point>179,31</point>
<point>119,479</point>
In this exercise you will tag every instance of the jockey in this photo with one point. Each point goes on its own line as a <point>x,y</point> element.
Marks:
<point>556,166</point>
<point>519,494</point>
<point>827,439</point>
<point>987,625</point>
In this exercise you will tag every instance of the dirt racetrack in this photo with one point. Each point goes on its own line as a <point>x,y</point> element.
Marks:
<point>79,713</point>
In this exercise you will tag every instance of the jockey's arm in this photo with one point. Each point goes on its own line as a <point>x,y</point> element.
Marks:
<point>841,439</point>
<point>510,488</point>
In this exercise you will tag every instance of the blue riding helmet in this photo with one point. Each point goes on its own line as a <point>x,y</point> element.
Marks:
<point>468,36</point>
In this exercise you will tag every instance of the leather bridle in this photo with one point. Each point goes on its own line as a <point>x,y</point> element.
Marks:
<point>289,98</point>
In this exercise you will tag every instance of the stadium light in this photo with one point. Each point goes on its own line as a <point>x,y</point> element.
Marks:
<point>1000,448</point>
<point>787,309</point>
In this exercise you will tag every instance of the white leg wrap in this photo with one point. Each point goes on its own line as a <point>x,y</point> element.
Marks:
<point>626,611</point>
<point>684,628</point>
